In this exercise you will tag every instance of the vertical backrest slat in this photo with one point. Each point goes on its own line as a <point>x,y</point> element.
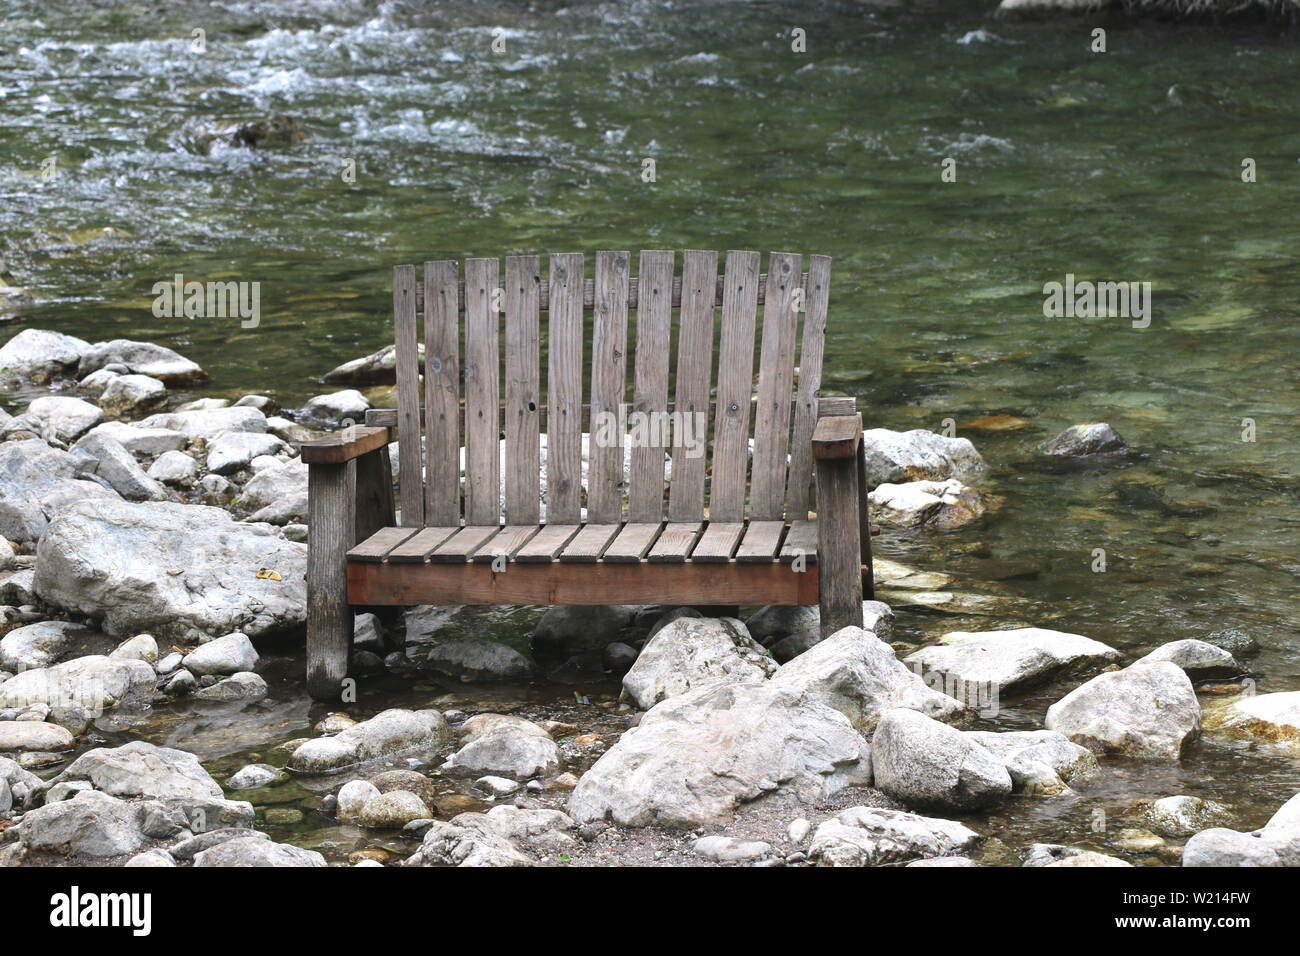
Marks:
<point>564,391</point>
<point>410,470</point>
<point>775,388</point>
<point>523,390</point>
<point>735,377</point>
<point>816,297</point>
<point>694,367</point>
<point>654,316</point>
<point>608,381</point>
<point>441,394</point>
<point>482,393</point>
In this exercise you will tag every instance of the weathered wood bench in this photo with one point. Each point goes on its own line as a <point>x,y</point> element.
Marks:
<point>486,529</point>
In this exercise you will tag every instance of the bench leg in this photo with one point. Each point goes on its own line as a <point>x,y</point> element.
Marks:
<point>330,506</point>
<point>839,544</point>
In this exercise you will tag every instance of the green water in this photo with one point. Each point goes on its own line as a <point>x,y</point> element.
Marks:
<point>1116,166</point>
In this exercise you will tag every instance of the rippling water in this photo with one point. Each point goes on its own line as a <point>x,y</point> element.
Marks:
<point>1116,166</point>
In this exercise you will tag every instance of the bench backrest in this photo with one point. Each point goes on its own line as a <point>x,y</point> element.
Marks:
<point>464,334</point>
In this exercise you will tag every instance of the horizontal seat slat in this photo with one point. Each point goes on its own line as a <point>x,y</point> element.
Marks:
<point>461,545</point>
<point>674,545</point>
<point>380,543</point>
<point>802,540</point>
<point>547,544</point>
<point>506,543</point>
<point>589,543</point>
<point>632,542</point>
<point>761,541</point>
<point>416,549</point>
<point>718,542</point>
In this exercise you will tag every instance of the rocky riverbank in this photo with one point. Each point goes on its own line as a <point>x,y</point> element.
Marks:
<point>152,711</point>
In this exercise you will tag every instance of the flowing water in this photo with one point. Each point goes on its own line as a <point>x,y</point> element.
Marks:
<point>1123,165</point>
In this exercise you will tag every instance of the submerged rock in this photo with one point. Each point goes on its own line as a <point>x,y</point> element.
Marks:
<point>871,836</point>
<point>1182,815</point>
<point>181,572</point>
<point>690,652</point>
<point>1077,440</point>
<point>924,763</point>
<point>695,758</point>
<point>1274,718</point>
<point>1145,710</point>
<point>857,674</point>
<point>1013,660</point>
<point>390,732</point>
<point>378,368</point>
<point>917,455</point>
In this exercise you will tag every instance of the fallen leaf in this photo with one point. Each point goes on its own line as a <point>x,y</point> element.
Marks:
<point>266,574</point>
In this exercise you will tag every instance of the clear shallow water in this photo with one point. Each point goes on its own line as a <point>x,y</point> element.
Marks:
<point>1122,166</point>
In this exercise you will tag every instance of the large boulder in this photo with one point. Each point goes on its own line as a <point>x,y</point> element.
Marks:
<point>142,358</point>
<point>1012,661</point>
<point>1144,710</point>
<point>940,505</point>
<point>1274,718</point>
<point>871,836</point>
<point>856,673</point>
<point>691,651</point>
<point>695,758</point>
<point>181,572</point>
<point>501,744</point>
<point>387,733</point>
<point>923,763</point>
<point>1040,762</point>
<point>40,355</point>
<point>175,778</point>
<point>917,455</point>
<point>36,483</point>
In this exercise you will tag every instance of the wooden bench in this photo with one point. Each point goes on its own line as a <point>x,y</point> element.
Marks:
<point>486,529</point>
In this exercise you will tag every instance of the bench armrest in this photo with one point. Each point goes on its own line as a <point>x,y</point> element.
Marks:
<point>343,446</point>
<point>837,436</point>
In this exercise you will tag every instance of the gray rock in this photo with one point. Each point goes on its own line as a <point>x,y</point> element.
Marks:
<point>1012,661</point>
<point>225,655</point>
<point>37,645</point>
<point>37,482</point>
<point>618,657</point>
<point>387,733</point>
<point>568,629</point>
<point>378,368</point>
<point>251,851</point>
<point>132,395</point>
<point>94,384</point>
<point>336,408</point>
<point>690,652</point>
<point>1223,847</point>
<point>1235,641</point>
<point>1091,439</point>
<point>1287,815</point>
<point>40,355</point>
<point>292,432</point>
<point>1183,815</point>
<point>1274,718</point>
<point>695,758</point>
<point>392,810</point>
<point>1040,762</point>
<point>186,849</point>
<point>278,495</point>
<point>857,674</point>
<point>1053,854</point>
<point>91,683</point>
<point>475,660</point>
<point>727,849</point>
<point>63,417</point>
<point>151,858</point>
<point>142,358</point>
<point>500,744</point>
<point>352,798</point>
<point>235,451</point>
<point>181,684</point>
<point>1145,710</point>
<point>496,786</point>
<point>926,764</point>
<point>1201,661</point>
<point>142,647</point>
<point>209,423</point>
<point>789,630</point>
<point>17,736</point>
<point>468,839</point>
<point>244,687</point>
<point>140,439</point>
<point>940,505</point>
<point>21,785</point>
<point>108,459</point>
<point>175,468</point>
<point>944,861</point>
<point>916,455</point>
<point>253,776</point>
<point>871,836</point>
<point>90,824</point>
<point>180,572</point>
<point>201,404</point>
